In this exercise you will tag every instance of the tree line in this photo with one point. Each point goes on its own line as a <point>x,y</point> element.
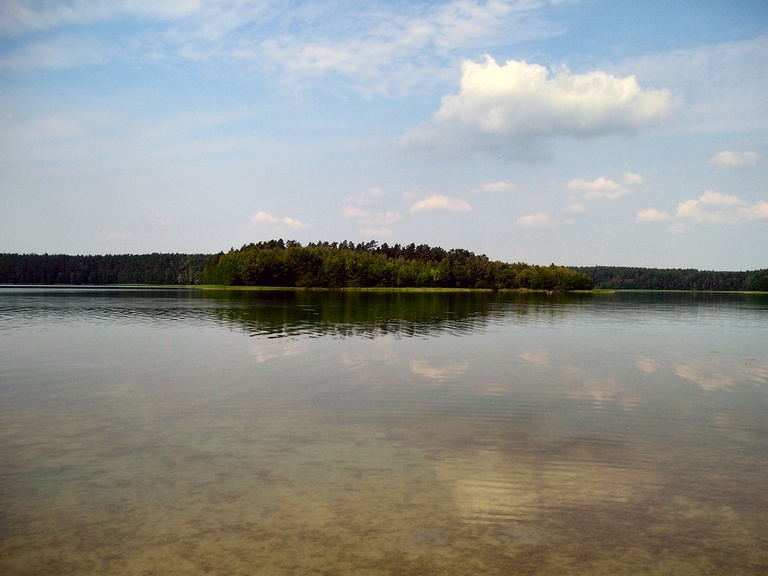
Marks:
<point>363,265</point>
<point>160,269</point>
<point>345,264</point>
<point>627,278</point>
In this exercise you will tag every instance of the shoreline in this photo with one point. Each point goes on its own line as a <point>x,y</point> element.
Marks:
<point>215,287</point>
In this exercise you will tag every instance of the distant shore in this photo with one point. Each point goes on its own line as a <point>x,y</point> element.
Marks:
<point>288,265</point>
<point>221,288</point>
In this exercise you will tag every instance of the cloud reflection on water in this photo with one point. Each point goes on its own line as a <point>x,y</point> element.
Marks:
<point>538,357</point>
<point>497,428</point>
<point>647,365</point>
<point>425,369</point>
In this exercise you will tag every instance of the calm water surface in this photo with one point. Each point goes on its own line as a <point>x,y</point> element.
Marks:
<point>173,432</point>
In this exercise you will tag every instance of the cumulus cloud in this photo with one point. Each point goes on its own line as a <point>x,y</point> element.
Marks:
<point>372,219</point>
<point>717,208</point>
<point>503,108</point>
<point>736,160</point>
<point>602,184</point>
<point>575,208</point>
<point>262,217</point>
<point>440,203</point>
<point>756,211</point>
<point>652,215</point>
<point>355,212</point>
<point>709,208</point>
<point>535,220</point>
<point>495,187</point>
<point>600,188</point>
<point>631,179</point>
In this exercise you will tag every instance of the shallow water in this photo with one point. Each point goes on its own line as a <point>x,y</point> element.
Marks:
<point>182,431</point>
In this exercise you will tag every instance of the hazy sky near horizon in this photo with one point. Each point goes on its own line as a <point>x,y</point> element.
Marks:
<point>609,132</point>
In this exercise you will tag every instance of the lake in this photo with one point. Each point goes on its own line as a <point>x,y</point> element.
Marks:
<point>182,431</point>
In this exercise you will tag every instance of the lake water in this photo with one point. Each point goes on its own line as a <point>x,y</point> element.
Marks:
<point>164,432</point>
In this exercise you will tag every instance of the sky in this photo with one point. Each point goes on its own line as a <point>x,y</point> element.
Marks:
<point>592,132</point>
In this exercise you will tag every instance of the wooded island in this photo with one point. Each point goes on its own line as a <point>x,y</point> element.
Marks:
<point>370,265</point>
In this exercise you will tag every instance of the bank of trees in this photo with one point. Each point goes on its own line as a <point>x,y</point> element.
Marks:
<point>110,269</point>
<point>345,264</point>
<point>628,278</point>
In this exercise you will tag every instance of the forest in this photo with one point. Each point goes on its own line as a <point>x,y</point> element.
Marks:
<point>627,278</point>
<point>163,269</point>
<point>281,263</point>
<point>369,265</point>
<point>338,265</point>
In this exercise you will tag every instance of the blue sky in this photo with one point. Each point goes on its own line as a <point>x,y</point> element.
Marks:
<point>575,132</point>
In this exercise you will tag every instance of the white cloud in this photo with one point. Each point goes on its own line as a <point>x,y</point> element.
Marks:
<point>652,215</point>
<point>167,30</point>
<point>709,208</point>
<point>377,48</point>
<point>376,192</point>
<point>495,187</point>
<point>631,179</point>
<point>717,208</point>
<point>373,222</point>
<point>602,184</point>
<point>390,49</point>
<point>757,211</point>
<point>600,188</point>
<point>389,217</point>
<point>262,217</point>
<point>438,202</point>
<point>295,224</point>
<point>412,193</point>
<point>383,232</point>
<point>609,194</point>
<point>355,213</point>
<point>575,208</point>
<point>535,220</point>
<point>503,108</point>
<point>737,160</point>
